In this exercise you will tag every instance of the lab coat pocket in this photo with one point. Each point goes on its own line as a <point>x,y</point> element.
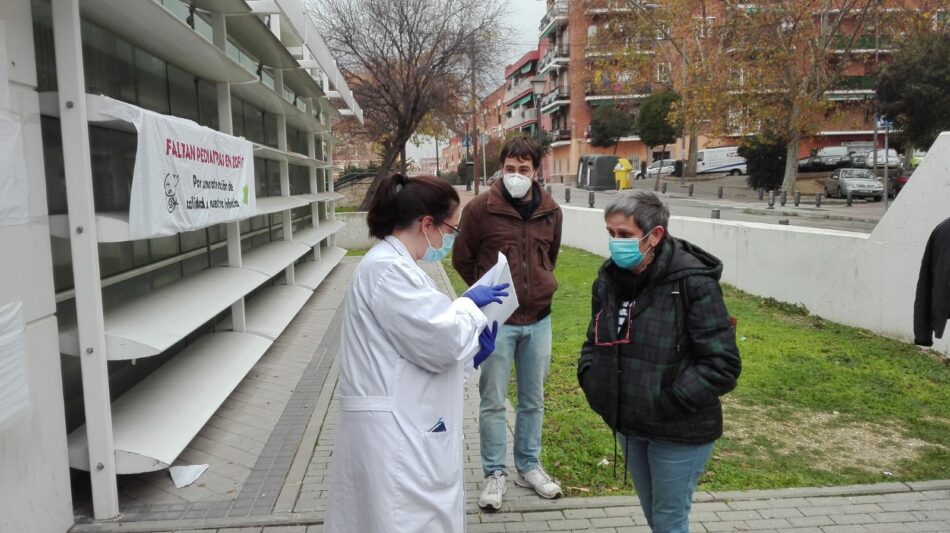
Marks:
<point>440,459</point>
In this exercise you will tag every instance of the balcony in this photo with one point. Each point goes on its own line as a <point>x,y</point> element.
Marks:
<point>607,7</point>
<point>616,91</point>
<point>863,43</point>
<point>556,57</point>
<point>521,116</point>
<point>560,135</point>
<point>556,98</point>
<point>554,18</point>
<point>619,45</point>
<point>518,90</point>
<point>855,83</point>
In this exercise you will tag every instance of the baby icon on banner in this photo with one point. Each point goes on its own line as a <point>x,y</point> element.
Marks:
<point>171,184</point>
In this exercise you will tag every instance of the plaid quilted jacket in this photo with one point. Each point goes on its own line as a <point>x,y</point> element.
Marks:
<point>666,380</point>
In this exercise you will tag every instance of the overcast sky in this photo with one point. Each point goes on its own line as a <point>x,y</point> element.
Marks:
<point>524,16</point>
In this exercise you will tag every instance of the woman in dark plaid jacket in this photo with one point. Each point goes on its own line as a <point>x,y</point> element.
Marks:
<point>660,351</point>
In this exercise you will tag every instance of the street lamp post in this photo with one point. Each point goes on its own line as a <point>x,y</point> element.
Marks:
<point>537,86</point>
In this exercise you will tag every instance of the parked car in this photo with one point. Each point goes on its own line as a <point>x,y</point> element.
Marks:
<point>861,183</point>
<point>896,184</point>
<point>834,157</point>
<point>858,161</point>
<point>808,164</point>
<point>664,167</point>
<point>893,160</point>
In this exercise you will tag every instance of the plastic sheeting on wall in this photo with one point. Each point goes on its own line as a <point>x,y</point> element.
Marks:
<point>14,198</point>
<point>14,195</point>
<point>4,79</point>
<point>14,393</point>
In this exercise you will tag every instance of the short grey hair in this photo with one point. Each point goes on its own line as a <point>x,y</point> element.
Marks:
<point>644,207</point>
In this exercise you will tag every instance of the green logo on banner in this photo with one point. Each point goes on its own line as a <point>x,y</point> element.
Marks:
<point>245,194</point>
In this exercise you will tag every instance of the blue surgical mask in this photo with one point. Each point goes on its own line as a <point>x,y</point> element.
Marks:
<point>432,255</point>
<point>626,253</point>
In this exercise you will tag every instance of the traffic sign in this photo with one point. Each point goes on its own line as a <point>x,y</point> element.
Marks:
<point>884,123</point>
<point>466,141</point>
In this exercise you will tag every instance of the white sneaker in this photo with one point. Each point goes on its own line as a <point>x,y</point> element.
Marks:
<point>540,481</point>
<point>495,487</point>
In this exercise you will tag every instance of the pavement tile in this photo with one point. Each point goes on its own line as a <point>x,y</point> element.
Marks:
<point>729,525</point>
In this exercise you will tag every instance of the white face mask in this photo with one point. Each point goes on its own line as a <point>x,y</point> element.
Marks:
<point>518,185</point>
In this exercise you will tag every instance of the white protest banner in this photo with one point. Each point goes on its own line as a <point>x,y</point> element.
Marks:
<point>14,192</point>
<point>14,394</point>
<point>186,176</point>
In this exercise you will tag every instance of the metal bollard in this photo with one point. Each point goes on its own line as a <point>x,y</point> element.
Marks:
<point>663,190</point>
<point>798,198</point>
<point>715,213</point>
<point>849,199</point>
<point>783,222</point>
<point>590,198</point>
<point>567,195</point>
<point>817,199</point>
<point>782,198</point>
<point>761,193</point>
<point>720,191</point>
<point>690,190</point>
<point>771,200</point>
<point>549,189</point>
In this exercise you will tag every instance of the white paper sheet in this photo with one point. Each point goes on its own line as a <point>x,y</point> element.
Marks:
<point>500,273</point>
<point>186,475</point>
<point>14,394</point>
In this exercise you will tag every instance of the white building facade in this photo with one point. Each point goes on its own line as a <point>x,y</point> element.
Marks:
<point>102,335</point>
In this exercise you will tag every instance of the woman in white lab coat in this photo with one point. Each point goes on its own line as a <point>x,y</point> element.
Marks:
<point>397,459</point>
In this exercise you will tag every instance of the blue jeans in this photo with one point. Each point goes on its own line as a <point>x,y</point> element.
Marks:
<point>529,348</point>
<point>665,475</point>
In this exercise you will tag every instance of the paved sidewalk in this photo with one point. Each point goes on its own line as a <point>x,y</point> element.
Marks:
<point>298,503</point>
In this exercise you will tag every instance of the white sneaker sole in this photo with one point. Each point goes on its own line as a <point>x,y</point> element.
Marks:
<point>488,506</point>
<point>521,482</point>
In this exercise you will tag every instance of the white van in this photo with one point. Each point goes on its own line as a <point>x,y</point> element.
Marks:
<point>722,159</point>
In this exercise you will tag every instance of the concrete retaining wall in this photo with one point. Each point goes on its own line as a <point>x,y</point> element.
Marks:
<point>356,232</point>
<point>867,281</point>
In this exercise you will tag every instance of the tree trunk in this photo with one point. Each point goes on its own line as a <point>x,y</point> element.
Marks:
<point>791,150</point>
<point>405,162</point>
<point>390,155</point>
<point>791,163</point>
<point>656,184</point>
<point>693,153</point>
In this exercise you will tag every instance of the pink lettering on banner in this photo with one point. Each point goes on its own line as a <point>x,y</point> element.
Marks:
<point>201,154</point>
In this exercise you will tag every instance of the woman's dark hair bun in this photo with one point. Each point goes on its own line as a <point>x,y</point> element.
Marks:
<point>389,210</point>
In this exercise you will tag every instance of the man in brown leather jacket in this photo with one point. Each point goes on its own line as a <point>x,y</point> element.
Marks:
<point>518,218</point>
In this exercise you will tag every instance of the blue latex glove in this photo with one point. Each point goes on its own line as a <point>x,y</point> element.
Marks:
<point>486,340</point>
<point>483,295</point>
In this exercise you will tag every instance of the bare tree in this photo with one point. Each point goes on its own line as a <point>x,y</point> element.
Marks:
<point>408,59</point>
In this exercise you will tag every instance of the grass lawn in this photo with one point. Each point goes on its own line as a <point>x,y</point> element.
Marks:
<point>818,403</point>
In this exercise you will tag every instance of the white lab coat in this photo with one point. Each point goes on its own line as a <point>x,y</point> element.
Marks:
<point>403,354</point>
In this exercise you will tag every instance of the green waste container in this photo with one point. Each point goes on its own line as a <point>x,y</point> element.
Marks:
<point>622,174</point>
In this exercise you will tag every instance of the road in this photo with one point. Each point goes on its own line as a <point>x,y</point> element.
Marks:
<point>741,203</point>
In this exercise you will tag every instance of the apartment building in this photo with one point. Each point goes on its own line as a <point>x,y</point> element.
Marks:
<point>577,39</point>
<point>521,113</point>
<point>137,295</point>
<point>492,114</point>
